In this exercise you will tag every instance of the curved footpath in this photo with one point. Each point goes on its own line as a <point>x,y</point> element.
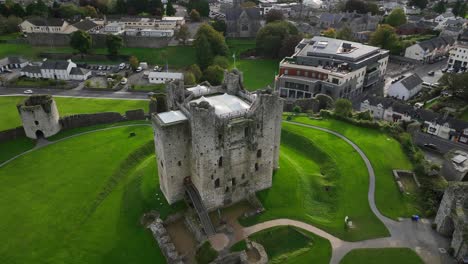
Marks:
<point>418,236</point>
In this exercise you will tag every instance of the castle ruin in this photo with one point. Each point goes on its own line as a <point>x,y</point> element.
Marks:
<point>40,116</point>
<point>223,140</point>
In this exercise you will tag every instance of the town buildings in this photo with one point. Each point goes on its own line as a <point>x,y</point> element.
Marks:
<point>242,22</point>
<point>334,67</point>
<point>57,70</point>
<point>222,140</point>
<point>405,88</point>
<point>162,77</point>
<point>430,50</point>
<point>458,55</point>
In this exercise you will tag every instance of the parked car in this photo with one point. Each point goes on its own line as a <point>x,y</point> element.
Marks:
<point>427,85</point>
<point>28,92</point>
<point>139,69</point>
<point>444,70</point>
<point>101,73</point>
<point>418,105</point>
<point>431,146</point>
<point>431,73</point>
<point>123,81</point>
<point>156,68</point>
<point>146,74</point>
<point>110,79</point>
<point>121,66</point>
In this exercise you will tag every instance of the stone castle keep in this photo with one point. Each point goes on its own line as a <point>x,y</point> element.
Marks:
<point>40,116</point>
<point>222,139</point>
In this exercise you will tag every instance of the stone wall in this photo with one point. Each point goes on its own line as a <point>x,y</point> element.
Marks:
<point>39,116</point>
<point>164,241</point>
<point>137,114</point>
<point>11,134</point>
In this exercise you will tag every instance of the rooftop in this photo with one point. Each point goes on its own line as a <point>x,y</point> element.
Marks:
<point>225,103</point>
<point>172,117</point>
<point>199,90</point>
<point>173,75</point>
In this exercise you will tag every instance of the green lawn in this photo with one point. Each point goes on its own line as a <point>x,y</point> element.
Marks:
<point>206,254</point>
<point>382,256</point>
<point>60,206</point>
<point>160,87</point>
<point>385,154</point>
<point>68,106</point>
<point>291,245</point>
<point>320,181</point>
<point>464,115</point>
<point>14,147</point>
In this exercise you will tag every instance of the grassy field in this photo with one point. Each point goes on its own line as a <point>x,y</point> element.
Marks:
<point>68,106</point>
<point>160,87</point>
<point>320,181</point>
<point>382,256</point>
<point>65,207</point>
<point>14,147</point>
<point>385,154</point>
<point>290,245</point>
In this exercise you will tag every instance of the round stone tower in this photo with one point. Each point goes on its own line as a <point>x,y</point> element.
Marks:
<point>40,116</point>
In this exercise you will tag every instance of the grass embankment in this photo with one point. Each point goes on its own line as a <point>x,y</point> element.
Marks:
<point>160,87</point>
<point>11,148</point>
<point>206,254</point>
<point>321,180</point>
<point>68,106</point>
<point>382,256</point>
<point>385,154</point>
<point>63,205</point>
<point>289,245</point>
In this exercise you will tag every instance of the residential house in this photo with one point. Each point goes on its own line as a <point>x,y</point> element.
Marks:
<point>242,22</point>
<point>12,62</point>
<point>458,55</point>
<point>412,28</point>
<point>178,20</point>
<point>43,25</point>
<point>430,50</point>
<point>149,32</point>
<point>406,88</point>
<point>338,68</point>
<point>356,22</point>
<point>114,28</point>
<point>57,70</point>
<point>163,77</point>
<point>86,25</point>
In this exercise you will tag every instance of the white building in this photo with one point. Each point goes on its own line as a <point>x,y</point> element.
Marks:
<point>43,25</point>
<point>458,56</point>
<point>12,62</point>
<point>114,28</point>
<point>57,70</point>
<point>430,49</point>
<point>150,32</point>
<point>162,77</point>
<point>179,20</point>
<point>406,88</point>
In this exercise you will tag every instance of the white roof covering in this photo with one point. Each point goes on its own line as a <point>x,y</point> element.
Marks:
<point>199,90</point>
<point>166,75</point>
<point>172,116</point>
<point>225,103</point>
<point>459,159</point>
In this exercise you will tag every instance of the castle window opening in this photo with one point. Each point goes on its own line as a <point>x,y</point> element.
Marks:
<point>179,163</point>
<point>256,166</point>
<point>259,153</point>
<point>162,165</point>
<point>217,183</point>
<point>233,181</point>
<point>243,175</point>
<point>246,132</point>
<point>220,162</point>
<point>36,122</point>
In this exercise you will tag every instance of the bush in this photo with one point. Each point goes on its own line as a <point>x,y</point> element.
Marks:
<point>221,61</point>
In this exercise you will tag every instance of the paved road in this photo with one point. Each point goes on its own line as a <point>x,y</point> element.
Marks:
<point>77,93</point>
<point>418,236</point>
<point>443,145</point>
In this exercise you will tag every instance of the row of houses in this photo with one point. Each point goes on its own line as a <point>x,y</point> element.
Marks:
<point>57,70</point>
<point>440,125</point>
<point>133,26</point>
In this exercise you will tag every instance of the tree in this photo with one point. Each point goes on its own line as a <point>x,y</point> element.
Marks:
<point>170,10</point>
<point>155,7</point>
<point>419,3</point>
<point>89,11</point>
<point>113,43</point>
<point>220,26</point>
<point>329,33</point>
<point>356,5</point>
<point>343,107</point>
<point>440,7</point>
<point>9,25</point>
<point>183,34</point>
<point>459,9</point>
<point>194,15</point>
<point>221,61</point>
<point>270,38</point>
<point>69,11</point>
<point>38,8</point>
<point>385,37</point>
<point>120,7</point>
<point>134,62</point>
<point>248,4</point>
<point>214,74</point>
<point>297,109</point>
<point>195,69</point>
<point>203,52</point>
<point>345,34</point>
<point>274,15</point>
<point>189,78</point>
<point>396,18</point>
<point>18,10</point>
<point>80,41</point>
<point>202,7</point>
<point>456,83</point>
<point>215,38</point>
<point>288,45</point>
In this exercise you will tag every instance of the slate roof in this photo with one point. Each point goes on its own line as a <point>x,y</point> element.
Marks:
<point>234,13</point>
<point>437,42</point>
<point>411,82</point>
<point>85,25</point>
<point>12,60</point>
<point>51,22</point>
<point>78,71</point>
<point>32,69</point>
<point>57,65</point>
<point>464,35</point>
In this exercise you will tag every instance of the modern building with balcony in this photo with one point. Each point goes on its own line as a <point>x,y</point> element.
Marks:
<point>338,68</point>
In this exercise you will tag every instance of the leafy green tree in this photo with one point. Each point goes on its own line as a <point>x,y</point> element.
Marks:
<point>5,10</point>
<point>134,62</point>
<point>183,34</point>
<point>189,78</point>
<point>220,26</point>
<point>345,33</point>
<point>10,24</point>
<point>297,109</point>
<point>38,8</point>
<point>113,43</point>
<point>329,33</point>
<point>156,7</point>
<point>201,6</point>
<point>396,18</point>
<point>270,38</point>
<point>18,10</point>
<point>440,7</point>
<point>170,10</point>
<point>385,37</point>
<point>194,15</point>
<point>419,3</point>
<point>214,74</point>
<point>195,69</point>
<point>459,9</point>
<point>221,61</point>
<point>215,38</point>
<point>81,41</point>
<point>356,5</point>
<point>274,15</point>
<point>343,107</point>
<point>456,83</point>
<point>289,44</point>
<point>248,4</point>
<point>69,11</point>
<point>204,52</point>
<point>89,11</point>
<point>120,7</point>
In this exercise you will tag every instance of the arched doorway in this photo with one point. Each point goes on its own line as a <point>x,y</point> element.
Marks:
<point>39,134</point>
